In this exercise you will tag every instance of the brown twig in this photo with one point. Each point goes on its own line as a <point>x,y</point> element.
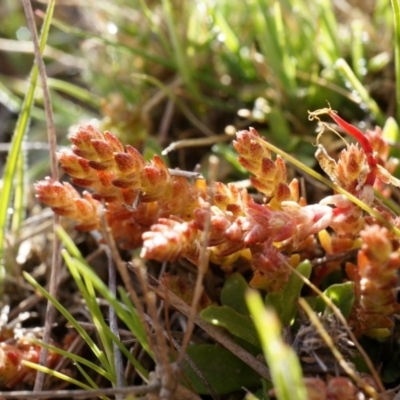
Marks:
<point>51,133</point>
<point>198,142</point>
<point>78,394</point>
<point>336,353</point>
<point>217,334</point>
<point>163,366</point>
<point>122,270</point>
<point>341,318</point>
<point>112,285</point>
<point>203,266</point>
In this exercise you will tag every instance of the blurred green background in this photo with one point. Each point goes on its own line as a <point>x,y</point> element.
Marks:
<point>154,72</point>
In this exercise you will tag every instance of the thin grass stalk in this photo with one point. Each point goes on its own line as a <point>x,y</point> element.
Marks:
<point>75,91</point>
<point>352,80</point>
<point>56,374</point>
<point>287,63</point>
<point>165,371</point>
<point>112,284</point>
<point>357,50</point>
<point>77,359</point>
<point>82,371</point>
<point>82,332</point>
<point>338,314</point>
<point>19,194</point>
<point>267,35</point>
<point>215,333</point>
<point>123,272</point>
<point>336,353</point>
<point>183,107</point>
<point>181,59</point>
<point>127,314</point>
<point>87,282</point>
<point>51,130</point>
<point>396,19</point>
<point>16,144</point>
<point>329,24</point>
<point>203,266</point>
<point>155,27</point>
<point>79,394</point>
<point>89,296</point>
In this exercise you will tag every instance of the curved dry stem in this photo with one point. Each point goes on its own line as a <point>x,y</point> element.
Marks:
<point>51,132</point>
<point>203,264</point>
<point>122,269</point>
<point>341,318</point>
<point>336,353</point>
<point>215,333</point>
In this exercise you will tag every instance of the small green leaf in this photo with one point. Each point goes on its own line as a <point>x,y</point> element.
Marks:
<point>342,295</point>
<point>238,324</point>
<point>223,371</point>
<point>284,303</point>
<point>233,292</point>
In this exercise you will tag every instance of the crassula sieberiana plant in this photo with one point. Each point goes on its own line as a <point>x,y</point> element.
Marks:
<point>149,206</point>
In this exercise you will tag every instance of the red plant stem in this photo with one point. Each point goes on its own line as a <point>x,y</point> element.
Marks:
<point>364,142</point>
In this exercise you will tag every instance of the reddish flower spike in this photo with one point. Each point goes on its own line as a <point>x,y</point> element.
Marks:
<point>356,134</point>
<point>364,143</point>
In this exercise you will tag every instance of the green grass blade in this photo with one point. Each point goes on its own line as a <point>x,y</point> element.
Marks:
<point>91,382</point>
<point>131,319</point>
<point>282,360</point>
<point>181,60</point>
<point>75,324</point>
<point>75,358</point>
<point>19,195</point>
<point>350,77</point>
<point>129,316</point>
<point>56,374</point>
<point>79,33</point>
<point>231,40</point>
<point>357,50</point>
<point>74,91</point>
<point>95,313</point>
<point>396,17</point>
<point>287,63</point>
<point>107,336</point>
<point>330,29</point>
<point>18,136</point>
<point>267,36</point>
<point>155,27</point>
